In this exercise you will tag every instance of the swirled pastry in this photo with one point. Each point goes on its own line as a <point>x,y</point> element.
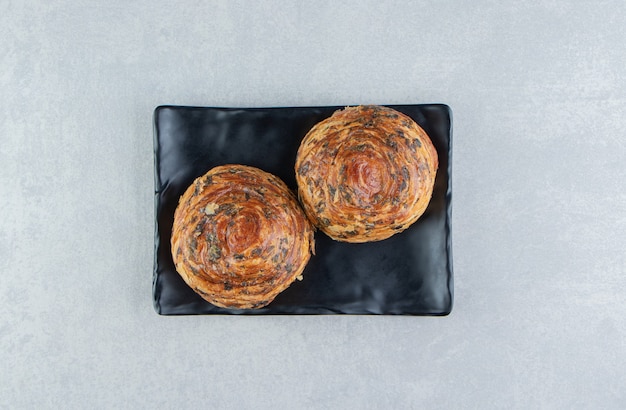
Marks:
<point>240,237</point>
<point>365,173</point>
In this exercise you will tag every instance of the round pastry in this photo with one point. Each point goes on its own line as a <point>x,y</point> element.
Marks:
<point>240,237</point>
<point>365,173</point>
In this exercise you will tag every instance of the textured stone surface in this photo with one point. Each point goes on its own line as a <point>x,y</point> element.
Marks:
<point>538,92</point>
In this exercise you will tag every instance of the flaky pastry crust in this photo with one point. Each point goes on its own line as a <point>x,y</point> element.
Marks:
<point>365,173</point>
<point>240,237</point>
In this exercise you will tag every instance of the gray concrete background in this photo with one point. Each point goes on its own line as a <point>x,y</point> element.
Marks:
<point>539,98</point>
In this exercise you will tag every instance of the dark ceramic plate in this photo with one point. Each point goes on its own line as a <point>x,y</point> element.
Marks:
<point>407,274</point>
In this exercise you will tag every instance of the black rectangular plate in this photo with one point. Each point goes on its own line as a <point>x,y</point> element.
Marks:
<point>407,274</point>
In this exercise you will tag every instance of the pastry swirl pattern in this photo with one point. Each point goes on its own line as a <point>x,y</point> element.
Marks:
<point>365,173</point>
<point>240,237</point>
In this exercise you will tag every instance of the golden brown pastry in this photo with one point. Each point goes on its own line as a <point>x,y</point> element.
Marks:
<point>365,173</point>
<point>240,237</point>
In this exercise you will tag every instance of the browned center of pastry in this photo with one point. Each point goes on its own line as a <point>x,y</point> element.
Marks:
<point>242,231</point>
<point>366,176</point>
